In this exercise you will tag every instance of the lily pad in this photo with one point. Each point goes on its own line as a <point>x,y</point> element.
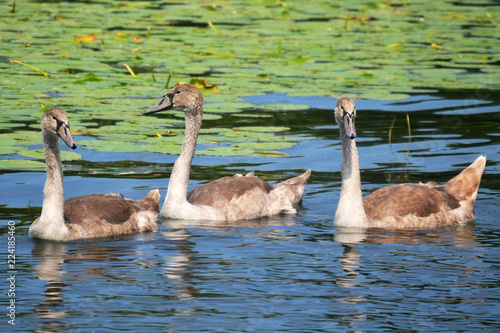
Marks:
<point>382,51</point>
<point>111,146</point>
<point>12,150</point>
<point>226,151</point>
<point>21,165</point>
<point>40,154</point>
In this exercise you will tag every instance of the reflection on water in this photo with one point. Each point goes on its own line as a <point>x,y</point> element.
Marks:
<point>272,277</point>
<point>284,273</point>
<point>51,257</point>
<point>350,261</point>
<point>177,266</point>
<point>461,235</point>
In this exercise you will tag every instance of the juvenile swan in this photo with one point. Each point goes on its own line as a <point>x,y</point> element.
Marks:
<point>229,198</point>
<point>405,206</point>
<point>89,216</point>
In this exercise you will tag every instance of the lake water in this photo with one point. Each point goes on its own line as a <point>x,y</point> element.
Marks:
<point>286,273</point>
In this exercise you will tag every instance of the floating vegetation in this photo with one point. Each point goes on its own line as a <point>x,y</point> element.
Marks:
<point>33,68</point>
<point>106,62</point>
<point>130,70</point>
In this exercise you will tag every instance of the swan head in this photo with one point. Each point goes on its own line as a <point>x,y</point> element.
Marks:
<point>55,123</point>
<point>345,113</point>
<point>184,97</point>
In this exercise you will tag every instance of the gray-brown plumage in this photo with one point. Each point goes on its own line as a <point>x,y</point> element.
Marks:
<point>229,198</point>
<point>89,216</point>
<point>405,206</point>
<point>225,189</point>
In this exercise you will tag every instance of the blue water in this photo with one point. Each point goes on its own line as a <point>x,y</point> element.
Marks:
<point>285,273</point>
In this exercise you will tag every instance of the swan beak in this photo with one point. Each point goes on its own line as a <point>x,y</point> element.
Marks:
<point>65,135</point>
<point>164,104</point>
<point>350,129</point>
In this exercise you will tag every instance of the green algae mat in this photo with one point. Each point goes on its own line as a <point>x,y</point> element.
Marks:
<point>106,62</point>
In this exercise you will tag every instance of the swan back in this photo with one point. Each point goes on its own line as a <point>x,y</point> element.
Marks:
<point>226,189</point>
<point>98,215</point>
<point>247,197</point>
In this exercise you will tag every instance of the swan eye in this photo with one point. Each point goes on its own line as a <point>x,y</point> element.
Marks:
<point>178,92</point>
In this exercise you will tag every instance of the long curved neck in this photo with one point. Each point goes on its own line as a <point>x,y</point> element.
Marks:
<point>179,178</point>
<point>53,193</point>
<point>350,211</point>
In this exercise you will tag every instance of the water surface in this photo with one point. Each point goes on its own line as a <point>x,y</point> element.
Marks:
<point>285,273</point>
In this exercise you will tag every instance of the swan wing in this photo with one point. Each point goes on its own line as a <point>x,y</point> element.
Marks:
<point>227,189</point>
<point>112,208</point>
<point>419,200</point>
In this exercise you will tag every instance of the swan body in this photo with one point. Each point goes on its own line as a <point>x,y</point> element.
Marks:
<point>89,216</point>
<point>227,199</point>
<point>404,206</point>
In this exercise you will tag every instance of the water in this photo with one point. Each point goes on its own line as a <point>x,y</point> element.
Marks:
<point>285,273</point>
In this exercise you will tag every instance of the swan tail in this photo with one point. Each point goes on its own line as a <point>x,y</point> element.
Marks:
<point>149,206</point>
<point>466,185</point>
<point>293,188</point>
<point>151,202</point>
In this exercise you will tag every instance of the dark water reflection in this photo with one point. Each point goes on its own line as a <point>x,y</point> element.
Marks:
<point>286,273</point>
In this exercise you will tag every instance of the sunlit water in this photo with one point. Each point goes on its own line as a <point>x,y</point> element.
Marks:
<point>287,273</point>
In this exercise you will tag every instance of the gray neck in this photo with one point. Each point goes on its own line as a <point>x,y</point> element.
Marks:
<point>350,211</point>
<point>179,178</point>
<point>53,192</point>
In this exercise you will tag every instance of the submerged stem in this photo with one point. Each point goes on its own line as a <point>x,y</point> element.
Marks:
<point>390,129</point>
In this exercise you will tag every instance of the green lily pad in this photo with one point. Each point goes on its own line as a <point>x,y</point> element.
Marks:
<point>266,129</point>
<point>12,150</point>
<point>40,154</point>
<point>270,145</point>
<point>21,165</point>
<point>371,50</point>
<point>226,151</point>
<point>111,146</point>
<point>284,107</point>
<point>23,137</point>
<point>251,115</point>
